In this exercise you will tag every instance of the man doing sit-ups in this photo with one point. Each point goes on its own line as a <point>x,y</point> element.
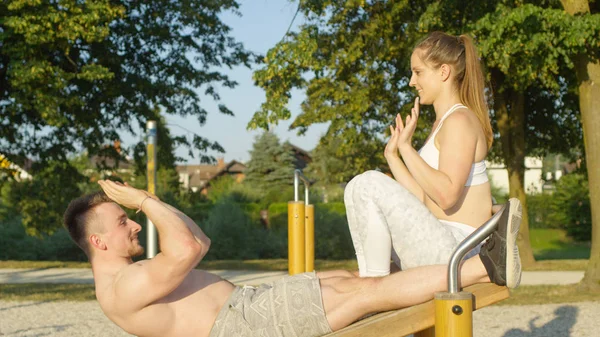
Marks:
<point>166,296</point>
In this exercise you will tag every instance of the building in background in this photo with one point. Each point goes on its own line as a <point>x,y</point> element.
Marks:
<point>198,177</point>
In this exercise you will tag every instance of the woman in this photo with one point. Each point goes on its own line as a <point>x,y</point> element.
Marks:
<point>442,193</point>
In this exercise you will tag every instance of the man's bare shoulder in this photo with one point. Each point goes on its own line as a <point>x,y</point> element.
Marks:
<point>113,289</point>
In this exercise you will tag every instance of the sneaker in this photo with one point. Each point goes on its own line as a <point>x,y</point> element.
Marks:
<point>500,254</point>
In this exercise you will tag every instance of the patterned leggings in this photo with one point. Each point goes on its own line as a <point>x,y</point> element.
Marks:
<point>387,221</point>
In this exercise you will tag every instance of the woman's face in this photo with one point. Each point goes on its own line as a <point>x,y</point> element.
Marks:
<point>426,79</point>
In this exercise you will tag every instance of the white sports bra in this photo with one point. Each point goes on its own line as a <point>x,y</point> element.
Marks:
<point>431,154</point>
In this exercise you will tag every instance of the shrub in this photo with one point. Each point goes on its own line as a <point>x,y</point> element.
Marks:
<point>17,245</point>
<point>538,207</point>
<point>278,216</point>
<point>232,234</point>
<point>332,236</point>
<point>570,206</point>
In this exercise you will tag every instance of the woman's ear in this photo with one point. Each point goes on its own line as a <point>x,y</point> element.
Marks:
<point>445,71</point>
<point>96,241</point>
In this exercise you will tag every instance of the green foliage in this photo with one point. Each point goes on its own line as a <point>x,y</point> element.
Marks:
<point>352,60</point>
<point>329,164</point>
<point>18,245</point>
<point>228,187</point>
<point>230,232</point>
<point>278,216</point>
<point>271,165</point>
<point>42,200</point>
<point>539,211</point>
<point>332,236</point>
<point>234,236</point>
<point>85,71</point>
<point>570,206</point>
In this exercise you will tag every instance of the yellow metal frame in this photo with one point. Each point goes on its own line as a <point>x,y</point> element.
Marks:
<point>301,230</point>
<point>453,314</point>
<point>301,237</point>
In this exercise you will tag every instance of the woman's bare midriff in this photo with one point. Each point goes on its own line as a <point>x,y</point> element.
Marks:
<point>473,208</point>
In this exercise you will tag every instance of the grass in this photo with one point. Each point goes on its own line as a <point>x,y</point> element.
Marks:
<point>549,294</point>
<point>44,292</point>
<point>552,244</point>
<point>42,264</point>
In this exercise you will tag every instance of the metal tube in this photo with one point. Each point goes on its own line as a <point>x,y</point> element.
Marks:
<point>297,177</point>
<point>151,236</point>
<point>296,183</point>
<point>464,247</point>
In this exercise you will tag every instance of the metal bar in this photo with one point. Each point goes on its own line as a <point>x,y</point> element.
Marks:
<point>151,235</point>
<point>464,247</point>
<point>297,177</point>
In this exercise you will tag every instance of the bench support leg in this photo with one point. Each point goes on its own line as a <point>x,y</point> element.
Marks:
<point>454,314</point>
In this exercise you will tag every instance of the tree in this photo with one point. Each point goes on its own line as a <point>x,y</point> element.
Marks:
<point>327,166</point>
<point>271,165</point>
<point>73,74</point>
<point>42,200</point>
<point>587,70</point>
<point>357,54</point>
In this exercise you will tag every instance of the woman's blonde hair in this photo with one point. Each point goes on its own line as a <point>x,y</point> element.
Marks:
<point>459,52</point>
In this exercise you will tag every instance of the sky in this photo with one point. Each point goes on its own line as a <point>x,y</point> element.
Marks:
<point>262,24</point>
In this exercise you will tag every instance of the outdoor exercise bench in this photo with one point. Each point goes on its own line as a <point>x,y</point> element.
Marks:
<point>418,319</point>
<point>450,314</point>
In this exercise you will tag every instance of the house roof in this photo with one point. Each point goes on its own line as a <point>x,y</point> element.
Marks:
<point>201,175</point>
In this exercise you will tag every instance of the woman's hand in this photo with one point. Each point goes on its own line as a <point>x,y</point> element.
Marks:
<point>391,149</point>
<point>407,130</point>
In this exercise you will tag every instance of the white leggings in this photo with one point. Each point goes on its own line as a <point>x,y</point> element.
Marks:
<point>386,219</point>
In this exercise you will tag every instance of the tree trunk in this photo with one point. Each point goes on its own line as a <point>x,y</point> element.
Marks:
<point>509,107</point>
<point>588,76</point>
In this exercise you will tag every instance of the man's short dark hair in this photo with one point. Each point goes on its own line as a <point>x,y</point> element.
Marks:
<point>76,218</point>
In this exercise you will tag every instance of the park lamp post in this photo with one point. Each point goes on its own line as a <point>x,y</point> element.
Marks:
<point>151,176</point>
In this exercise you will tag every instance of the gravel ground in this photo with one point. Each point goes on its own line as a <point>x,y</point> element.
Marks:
<point>86,319</point>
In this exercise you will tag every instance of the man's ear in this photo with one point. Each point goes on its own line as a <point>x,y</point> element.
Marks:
<point>445,71</point>
<point>96,241</point>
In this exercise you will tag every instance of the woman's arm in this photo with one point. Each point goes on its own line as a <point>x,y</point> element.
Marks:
<point>403,176</point>
<point>457,144</point>
<point>396,165</point>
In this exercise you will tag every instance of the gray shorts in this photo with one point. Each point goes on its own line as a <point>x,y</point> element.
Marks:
<point>289,307</point>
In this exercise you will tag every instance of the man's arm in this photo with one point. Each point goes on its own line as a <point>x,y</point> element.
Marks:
<point>193,227</point>
<point>191,224</point>
<point>180,252</point>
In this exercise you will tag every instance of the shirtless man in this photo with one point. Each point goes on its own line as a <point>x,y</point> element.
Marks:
<point>165,296</point>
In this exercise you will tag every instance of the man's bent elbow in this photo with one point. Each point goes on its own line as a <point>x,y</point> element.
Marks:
<point>205,246</point>
<point>189,250</point>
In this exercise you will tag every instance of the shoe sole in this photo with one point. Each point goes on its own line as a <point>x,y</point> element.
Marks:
<point>513,260</point>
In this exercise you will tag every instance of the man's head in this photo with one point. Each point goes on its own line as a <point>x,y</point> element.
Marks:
<point>99,225</point>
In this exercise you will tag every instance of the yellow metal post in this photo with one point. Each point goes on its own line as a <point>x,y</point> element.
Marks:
<point>296,233</point>
<point>454,314</point>
<point>310,237</point>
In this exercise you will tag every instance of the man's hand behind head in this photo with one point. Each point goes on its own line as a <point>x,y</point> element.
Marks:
<point>124,195</point>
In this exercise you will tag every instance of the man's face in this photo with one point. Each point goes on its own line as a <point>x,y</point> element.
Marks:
<point>120,234</point>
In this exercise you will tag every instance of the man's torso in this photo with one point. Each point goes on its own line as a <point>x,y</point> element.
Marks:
<point>190,310</point>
